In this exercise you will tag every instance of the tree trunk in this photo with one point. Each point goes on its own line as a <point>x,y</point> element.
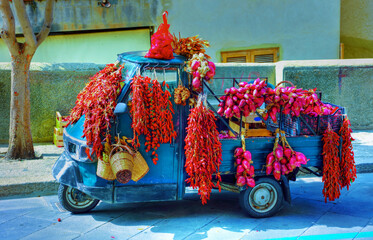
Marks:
<point>20,138</point>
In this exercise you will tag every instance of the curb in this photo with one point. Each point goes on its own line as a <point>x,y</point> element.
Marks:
<point>34,189</point>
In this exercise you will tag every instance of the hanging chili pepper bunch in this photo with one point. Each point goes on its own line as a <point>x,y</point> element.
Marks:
<point>243,100</point>
<point>151,114</point>
<point>283,159</point>
<point>97,102</point>
<point>245,171</point>
<point>189,46</point>
<point>201,70</point>
<point>203,151</point>
<point>331,169</point>
<point>347,165</point>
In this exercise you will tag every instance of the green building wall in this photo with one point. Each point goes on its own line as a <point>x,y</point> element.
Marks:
<point>357,28</point>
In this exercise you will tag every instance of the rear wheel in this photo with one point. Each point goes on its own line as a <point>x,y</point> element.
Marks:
<point>74,200</point>
<point>263,200</point>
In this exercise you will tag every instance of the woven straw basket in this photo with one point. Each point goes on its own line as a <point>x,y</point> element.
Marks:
<point>104,168</point>
<point>121,164</point>
<point>140,168</point>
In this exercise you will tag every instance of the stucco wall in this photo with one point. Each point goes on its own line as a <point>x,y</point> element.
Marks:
<point>98,47</point>
<point>356,28</point>
<point>302,29</point>
<point>348,83</point>
<point>54,87</point>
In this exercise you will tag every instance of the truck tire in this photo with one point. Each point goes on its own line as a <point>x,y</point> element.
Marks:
<point>263,200</point>
<point>74,200</point>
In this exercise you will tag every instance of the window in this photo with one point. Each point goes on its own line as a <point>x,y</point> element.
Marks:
<point>265,55</point>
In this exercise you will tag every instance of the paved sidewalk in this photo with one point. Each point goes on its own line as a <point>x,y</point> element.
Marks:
<point>309,217</point>
<point>34,178</point>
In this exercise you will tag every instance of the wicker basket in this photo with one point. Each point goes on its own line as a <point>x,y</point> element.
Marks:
<point>121,164</point>
<point>141,168</point>
<point>104,168</point>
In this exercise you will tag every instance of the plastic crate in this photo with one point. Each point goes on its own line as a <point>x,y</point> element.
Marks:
<point>320,123</point>
<point>288,124</point>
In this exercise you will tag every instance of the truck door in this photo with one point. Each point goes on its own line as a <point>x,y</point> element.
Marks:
<point>160,183</point>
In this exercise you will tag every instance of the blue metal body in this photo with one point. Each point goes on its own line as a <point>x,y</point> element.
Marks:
<point>166,180</point>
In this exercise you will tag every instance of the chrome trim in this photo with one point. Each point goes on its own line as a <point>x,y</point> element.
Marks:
<point>80,145</point>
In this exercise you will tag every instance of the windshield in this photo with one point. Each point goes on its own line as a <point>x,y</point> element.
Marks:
<point>168,75</point>
<point>129,71</point>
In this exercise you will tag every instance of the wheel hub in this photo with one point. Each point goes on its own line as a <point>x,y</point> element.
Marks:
<point>77,198</point>
<point>261,196</point>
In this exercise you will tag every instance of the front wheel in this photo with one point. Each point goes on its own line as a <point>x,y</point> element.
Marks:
<point>263,200</point>
<point>74,200</point>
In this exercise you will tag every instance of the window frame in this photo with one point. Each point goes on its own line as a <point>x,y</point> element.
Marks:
<point>250,54</point>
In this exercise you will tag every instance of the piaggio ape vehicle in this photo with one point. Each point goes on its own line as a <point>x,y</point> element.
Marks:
<point>81,189</point>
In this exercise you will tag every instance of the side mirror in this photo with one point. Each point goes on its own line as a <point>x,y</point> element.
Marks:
<point>120,109</point>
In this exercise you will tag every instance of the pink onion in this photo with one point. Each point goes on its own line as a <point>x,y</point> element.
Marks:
<point>247,155</point>
<point>269,169</point>
<point>241,181</point>
<point>229,102</point>
<point>252,171</point>
<point>287,153</point>
<point>233,90</point>
<point>238,152</point>
<point>242,103</point>
<point>270,159</point>
<point>246,164</point>
<point>277,166</point>
<point>250,182</point>
<point>240,169</point>
<point>239,95</point>
<point>228,112</point>
<point>301,158</point>
<point>196,82</point>
<point>195,65</point>
<point>279,152</point>
<point>277,175</point>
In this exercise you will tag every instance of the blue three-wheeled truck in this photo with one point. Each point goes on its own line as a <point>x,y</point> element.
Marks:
<point>81,189</point>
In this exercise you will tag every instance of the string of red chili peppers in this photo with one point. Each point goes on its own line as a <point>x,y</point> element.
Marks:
<point>202,150</point>
<point>97,101</point>
<point>151,114</point>
<point>331,168</point>
<point>347,165</point>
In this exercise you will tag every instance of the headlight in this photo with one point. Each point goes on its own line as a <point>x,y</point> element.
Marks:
<point>84,157</point>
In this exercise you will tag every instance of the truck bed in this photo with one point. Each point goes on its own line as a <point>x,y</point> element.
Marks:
<point>260,147</point>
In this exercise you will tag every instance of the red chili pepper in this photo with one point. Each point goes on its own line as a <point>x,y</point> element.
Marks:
<point>97,101</point>
<point>347,164</point>
<point>331,170</point>
<point>203,151</point>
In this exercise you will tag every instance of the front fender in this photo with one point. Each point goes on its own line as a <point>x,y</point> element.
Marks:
<point>65,171</point>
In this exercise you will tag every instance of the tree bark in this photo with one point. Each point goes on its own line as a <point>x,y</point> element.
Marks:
<point>20,138</point>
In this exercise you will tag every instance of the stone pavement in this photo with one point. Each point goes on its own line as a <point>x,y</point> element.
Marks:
<point>34,178</point>
<point>309,217</point>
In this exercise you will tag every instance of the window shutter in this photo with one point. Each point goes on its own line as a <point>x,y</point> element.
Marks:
<point>240,59</point>
<point>264,58</point>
